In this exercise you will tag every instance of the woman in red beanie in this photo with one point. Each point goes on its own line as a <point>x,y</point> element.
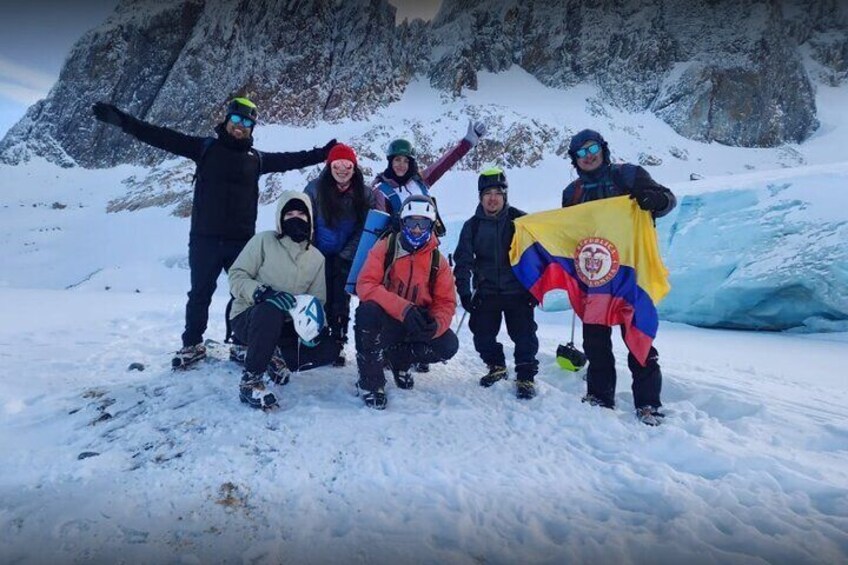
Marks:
<point>341,201</point>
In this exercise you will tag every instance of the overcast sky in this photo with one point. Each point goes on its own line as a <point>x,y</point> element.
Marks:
<point>37,35</point>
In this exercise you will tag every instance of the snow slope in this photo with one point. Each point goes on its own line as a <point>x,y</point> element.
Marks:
<point>750,466</point>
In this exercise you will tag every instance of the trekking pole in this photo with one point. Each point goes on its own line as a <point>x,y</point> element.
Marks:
<point>461,321</point>
<point>573,319</point>
<point>465,312</point>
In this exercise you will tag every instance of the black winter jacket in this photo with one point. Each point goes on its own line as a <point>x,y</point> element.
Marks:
<point>483,251</point>
<point>614,180</point>
<point>226,191</point>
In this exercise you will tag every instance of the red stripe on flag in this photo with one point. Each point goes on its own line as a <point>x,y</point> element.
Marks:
<point>608,310</point>
<point>600,308</point>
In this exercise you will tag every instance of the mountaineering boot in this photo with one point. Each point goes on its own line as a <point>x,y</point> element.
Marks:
<point>375,399</point>
<point>525,389</point>
<point>495,374</point>
<point>238,353</point>
<point>403,379</point>
<point>649,415</point>
<point>593,400</point>
<point>252,391</point>
<point>188,355</point>
<point>421,367</point>
<point>278,371</point>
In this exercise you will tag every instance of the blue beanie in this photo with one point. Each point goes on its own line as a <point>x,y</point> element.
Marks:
<point>580,139</point>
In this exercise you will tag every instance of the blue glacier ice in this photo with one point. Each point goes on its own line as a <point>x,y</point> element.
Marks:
<point>760,253</point>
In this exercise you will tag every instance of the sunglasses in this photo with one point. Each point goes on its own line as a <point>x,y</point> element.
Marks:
<point>241,120</point>
<point>423,224</point>
<point>342,165</point>
<point>593,149</point>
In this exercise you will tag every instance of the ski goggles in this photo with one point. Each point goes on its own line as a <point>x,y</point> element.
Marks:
<point>242,121</point>
<point>424,224</point>
<point>593,149</point>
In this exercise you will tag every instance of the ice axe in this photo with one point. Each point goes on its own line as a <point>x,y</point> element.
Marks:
<point>568,357</point>
<point>465,313</point>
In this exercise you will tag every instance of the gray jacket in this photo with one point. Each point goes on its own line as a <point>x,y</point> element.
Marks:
<point>278,262</point>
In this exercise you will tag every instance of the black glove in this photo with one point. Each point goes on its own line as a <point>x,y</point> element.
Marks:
<point>467,304</point>
<point>650,200</point>
<point>109,114</point>
<point>427,332</point>
<point>427,329</point>
<point>414,321</point>
<point>330,145</point>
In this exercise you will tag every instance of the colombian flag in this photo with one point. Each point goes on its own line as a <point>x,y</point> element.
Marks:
<point>605,254</point>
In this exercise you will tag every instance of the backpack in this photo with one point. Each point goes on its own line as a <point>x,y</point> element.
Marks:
<point>435,258</point>
<point>207,143</point>
<point>626,173</point>
<point>394,201</point>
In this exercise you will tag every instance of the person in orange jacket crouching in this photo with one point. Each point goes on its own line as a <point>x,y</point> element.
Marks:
<point>407,301</point>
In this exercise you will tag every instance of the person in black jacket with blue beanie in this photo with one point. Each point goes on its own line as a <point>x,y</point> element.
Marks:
<point>482,264</point>
<point>225,200</point>
<point>597,179</point>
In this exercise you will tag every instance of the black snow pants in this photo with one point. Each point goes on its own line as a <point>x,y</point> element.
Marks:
<point>600,375</point>
<point>485,324</point>
<point>207,257</point>
<point>337,308</point>
<point>377,334</point>
<point>264,327</point>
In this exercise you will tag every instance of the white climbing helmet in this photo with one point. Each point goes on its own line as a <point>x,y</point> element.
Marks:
<point>418,205</point>
<point>308,316</point>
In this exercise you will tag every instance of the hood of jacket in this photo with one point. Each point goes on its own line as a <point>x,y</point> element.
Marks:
<point>285,197</point>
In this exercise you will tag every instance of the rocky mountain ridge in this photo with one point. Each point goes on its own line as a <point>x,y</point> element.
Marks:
<point>731,72</point>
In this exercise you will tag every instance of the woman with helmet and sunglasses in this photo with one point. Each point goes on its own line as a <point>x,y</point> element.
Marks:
<point>407,299</point>
<point>225,200</point>
<point>402,177</point>
<point>598,178</point>
<point>341,202</point>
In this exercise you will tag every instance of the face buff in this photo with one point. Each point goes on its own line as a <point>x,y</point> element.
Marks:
<point>297,229</point>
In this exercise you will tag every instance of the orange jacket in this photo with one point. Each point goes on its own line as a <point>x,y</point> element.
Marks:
<point>408,283</point>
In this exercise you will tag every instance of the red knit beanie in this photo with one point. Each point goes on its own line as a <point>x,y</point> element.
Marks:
<point>341,151</point>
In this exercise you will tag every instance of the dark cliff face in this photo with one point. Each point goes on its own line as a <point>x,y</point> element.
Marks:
<point>177,63</point>
<point>716,70</point>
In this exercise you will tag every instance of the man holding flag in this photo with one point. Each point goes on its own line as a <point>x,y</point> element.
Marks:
<point>600,179</point>
<point>605,254</point>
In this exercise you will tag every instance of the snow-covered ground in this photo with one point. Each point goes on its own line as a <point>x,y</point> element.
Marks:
<point>102,464</point>
<point>109,465</point>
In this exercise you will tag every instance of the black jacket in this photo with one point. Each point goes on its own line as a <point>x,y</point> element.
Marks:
<point>483,251</point>
<point>226,190</point>
<point>614,180</point>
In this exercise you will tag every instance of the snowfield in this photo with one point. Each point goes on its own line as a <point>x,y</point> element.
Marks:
<point>109,465</point>
<point>102,464</point>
